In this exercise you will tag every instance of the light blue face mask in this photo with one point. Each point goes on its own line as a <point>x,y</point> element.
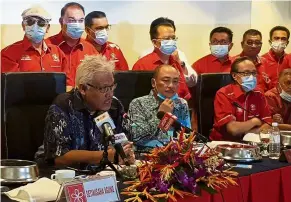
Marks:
<point>284,95</point>
<point>168,46</point>
<point>75,30</point>
<point>101,37</point>
<point>249,83</point>
<point>219,51</point>
<point>162,97</point>
<point>35,33</point>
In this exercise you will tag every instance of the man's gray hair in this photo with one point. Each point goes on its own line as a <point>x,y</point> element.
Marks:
<point>92,65</point>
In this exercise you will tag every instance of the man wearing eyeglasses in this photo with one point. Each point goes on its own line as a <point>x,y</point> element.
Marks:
<point>97,27</point>
<point>277,59</point>
<point>251,46</point>
<point>33,54</point>
<point>163,38</point>
<point>71,135</point>
<point>279,99</point>
<point>231,121</point>
<point>220,45</point>
<point>163,97</point>
<point>69,39</point>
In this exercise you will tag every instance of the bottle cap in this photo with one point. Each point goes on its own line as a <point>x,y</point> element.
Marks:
<point>275,124</point>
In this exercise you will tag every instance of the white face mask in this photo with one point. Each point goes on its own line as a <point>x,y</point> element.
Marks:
<point>285,96</point>
<point>219,51</point>
<point>278,46</point>
<point>101,37</point>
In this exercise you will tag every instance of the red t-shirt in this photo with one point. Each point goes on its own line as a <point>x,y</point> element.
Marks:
<point>278,105</point>
<point>273,68</point>
<point>75,55</point>
<point>21,56</point>
<point>225,111</point>
<point>113,52</point>
<point>211,64</point>
<point>152,60</point>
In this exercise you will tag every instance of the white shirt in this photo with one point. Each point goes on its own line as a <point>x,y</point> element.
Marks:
<point>191,77</point>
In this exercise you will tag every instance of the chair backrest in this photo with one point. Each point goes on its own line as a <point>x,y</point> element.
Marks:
<point>205,91</point>
<point>25,101</point>
<point>132,84</point>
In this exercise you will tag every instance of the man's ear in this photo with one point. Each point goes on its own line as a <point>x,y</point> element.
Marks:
<point>23,26</point>
<point>153,81</point>
<point>230,46</point>
<point>83,88</point>
<point>48,28</point>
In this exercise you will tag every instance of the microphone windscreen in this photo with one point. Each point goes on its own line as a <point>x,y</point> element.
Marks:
<point>160,114</point>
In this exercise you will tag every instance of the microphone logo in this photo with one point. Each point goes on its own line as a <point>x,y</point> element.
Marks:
<point>166,122</point>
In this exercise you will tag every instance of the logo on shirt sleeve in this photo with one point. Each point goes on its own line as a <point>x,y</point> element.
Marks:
<point>55,58</point>
<point>266,77</point>
<point>113,57</point>
<point>253,107</point>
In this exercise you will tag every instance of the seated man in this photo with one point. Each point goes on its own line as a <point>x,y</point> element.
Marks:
<point>33,54</point>
<point>279,100</point>
<point>162,33</point>
<point>71,135</point>
<point>143,110</point>
<point>97,27</point>
<point>240,107</point>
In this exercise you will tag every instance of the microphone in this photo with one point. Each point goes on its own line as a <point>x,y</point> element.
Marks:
<point>239,106</point>
<point>125,116</point>
<point>177,126</point>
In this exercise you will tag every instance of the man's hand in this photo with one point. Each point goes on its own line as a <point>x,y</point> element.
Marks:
<point>176,56</point>
<point>256,121</point>
<point>128,150</point>
<point>166,106</point>
<point>278,118</point>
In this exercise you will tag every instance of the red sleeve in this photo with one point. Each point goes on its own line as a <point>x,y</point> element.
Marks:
<point>196,67</point>
<point>265,112</point>
<point>121,64</point>
<point>137,66</point>
<point>223,111</point>
<point>272,102</point>
<point>8,63</point>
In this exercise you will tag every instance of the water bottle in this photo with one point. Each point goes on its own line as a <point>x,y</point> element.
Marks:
<point>274,146</point>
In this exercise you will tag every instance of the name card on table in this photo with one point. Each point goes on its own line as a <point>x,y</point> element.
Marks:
<point>98,188</point>
<point>286,155</point>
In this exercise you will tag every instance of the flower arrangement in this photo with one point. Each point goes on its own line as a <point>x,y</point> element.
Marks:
<point>178,170</point>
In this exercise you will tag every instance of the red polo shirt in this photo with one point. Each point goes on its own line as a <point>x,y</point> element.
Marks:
<point>23,57</point>
<point>260,64</point>
<point>211,64</point>
<point>112,52</point>
<point>273,68</point>
<point>278,105</point>
<point>75,54</point>
<point>225,111</point>
<point>152,60</point>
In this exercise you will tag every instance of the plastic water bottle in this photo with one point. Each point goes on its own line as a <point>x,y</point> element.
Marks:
<point>274,146</point>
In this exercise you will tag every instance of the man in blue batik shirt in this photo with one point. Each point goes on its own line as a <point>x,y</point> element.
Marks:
<point>71,136</point>
<point>163,97</point>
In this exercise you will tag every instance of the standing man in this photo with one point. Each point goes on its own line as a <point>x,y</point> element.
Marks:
<point>251,46</point>
<point>231,121</point>
<point>277,59</point>
<point>33,54</point>
<point>69,39</point>
<point>220,45</point>
<point>163,37</point>
<point>97,28</point>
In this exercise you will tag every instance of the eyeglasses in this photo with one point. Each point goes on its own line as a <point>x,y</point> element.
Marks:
<point>254,43</point>
<point>104,89</point>
<point>248,73</point>
<point>107,27</point>
<point>222,42</point>
<point>168,38</point>
<point>31,21</point>
<point>71,20</point>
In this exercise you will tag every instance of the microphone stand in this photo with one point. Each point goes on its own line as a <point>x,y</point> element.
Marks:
<point>105,161</point>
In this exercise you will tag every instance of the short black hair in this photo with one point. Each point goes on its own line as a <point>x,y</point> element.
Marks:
<point>162,21</point>
<point>71,4</point>
<point>222,30</point>
<point>237,61</point>
<point>280,28</point>
<point>252,32</point>
<point>92,15</point>
<point>158,69</point>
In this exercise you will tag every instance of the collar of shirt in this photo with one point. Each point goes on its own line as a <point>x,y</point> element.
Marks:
<point>213,59</point>
<point>237,91</point>
<point>61,40</point>
<point>154,102</point>
<point>103,47</point>
<point>257,62</point>
<point>28,45</point>
<point>157,60</point>
<point>273,56</point>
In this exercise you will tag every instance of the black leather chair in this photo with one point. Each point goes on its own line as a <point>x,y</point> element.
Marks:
<point>132,84</point>
<point>205,91</point>
<point>25,101</point>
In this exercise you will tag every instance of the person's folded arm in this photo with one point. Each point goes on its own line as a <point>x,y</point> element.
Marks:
<point>285,126</point>
<point>236,128</point>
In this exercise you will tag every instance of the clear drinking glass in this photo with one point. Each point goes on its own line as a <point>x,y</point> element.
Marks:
<point>265,139</point>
